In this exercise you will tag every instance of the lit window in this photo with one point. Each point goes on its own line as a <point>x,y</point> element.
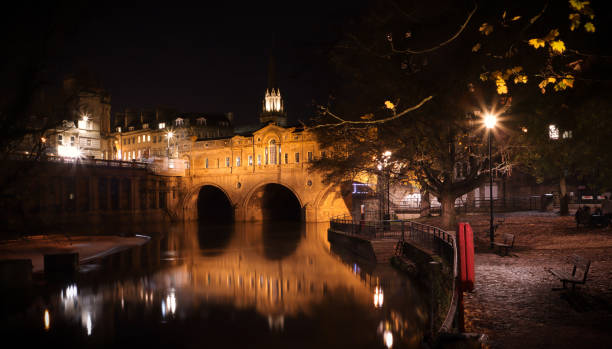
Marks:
<point>309,156</point>
<point>162,125</point>
<point>297,158</point>
<point>567,134</point>
<point>286,158</point>
<point>272,147</point>
<point>178,122</point>
<point>553,132</point>
<point>227,162</point>
<point>206,163</point>
<point>131,128</point>
<point>138,139</point>
<point>237,161</point>
<point>250,160</point>
<point>259,160</point>
<point>60,140</point>
<point>145,126</point>
<point>118,128</point>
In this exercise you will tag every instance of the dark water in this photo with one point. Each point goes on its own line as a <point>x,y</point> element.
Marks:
<point>245,286</point>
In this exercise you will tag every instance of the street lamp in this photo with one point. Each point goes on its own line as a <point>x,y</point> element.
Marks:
<point>386,157</point>
<point>490,120</point>
<point>169,135</point>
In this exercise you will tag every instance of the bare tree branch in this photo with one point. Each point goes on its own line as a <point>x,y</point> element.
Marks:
<point>451,39</point>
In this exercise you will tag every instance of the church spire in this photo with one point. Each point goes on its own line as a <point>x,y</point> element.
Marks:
<point>271,73</point>
<point>273,109</point>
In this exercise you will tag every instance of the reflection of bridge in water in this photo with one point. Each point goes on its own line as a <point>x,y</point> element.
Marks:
<point>248,273</point>
<point>238,272</point>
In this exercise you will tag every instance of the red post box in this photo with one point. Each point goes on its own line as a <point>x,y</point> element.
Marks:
<point>465,248</point>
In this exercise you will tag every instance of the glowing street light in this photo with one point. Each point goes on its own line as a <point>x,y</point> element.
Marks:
<point>490,121</point>
<point>169,135</point>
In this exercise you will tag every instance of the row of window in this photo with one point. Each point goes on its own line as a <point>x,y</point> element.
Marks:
<point>268,160</point>
<point>142,139</point>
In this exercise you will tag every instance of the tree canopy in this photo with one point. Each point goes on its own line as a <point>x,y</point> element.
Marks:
<point>417,78</point>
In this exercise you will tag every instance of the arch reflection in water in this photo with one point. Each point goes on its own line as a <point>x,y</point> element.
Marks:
<point>280,240</point>
<point>213,239</point>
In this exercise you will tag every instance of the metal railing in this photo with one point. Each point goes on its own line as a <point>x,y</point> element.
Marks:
<point>426,236</point>
<point>81,161</point>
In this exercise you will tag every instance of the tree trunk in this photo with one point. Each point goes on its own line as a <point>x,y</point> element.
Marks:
<point>425,205</point>
<point>449,217</point>
<point>563,199</point>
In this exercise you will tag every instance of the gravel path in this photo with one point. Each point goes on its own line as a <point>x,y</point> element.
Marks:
<point>513,301</point>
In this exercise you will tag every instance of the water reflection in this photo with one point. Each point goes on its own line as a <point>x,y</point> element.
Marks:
<point>195,285</point>
<point>213,239</point>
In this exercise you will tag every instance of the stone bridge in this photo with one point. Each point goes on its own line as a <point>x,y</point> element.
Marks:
<point>258,176</point>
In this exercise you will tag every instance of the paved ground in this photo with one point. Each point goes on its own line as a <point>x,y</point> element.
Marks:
<point>88,247</point>
<point>514,303</point>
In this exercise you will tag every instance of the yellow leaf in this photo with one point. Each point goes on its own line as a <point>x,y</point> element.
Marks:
<point>389,105</point>
<point>575,20</point>
<point>496,75</point>
<point>542,85</point>
<point>551,35</point>
<point>484,76</point>
<point>521,78</point>
<point>589,27</point>
<point>517,69</point>
<point>486,28</point>
<point>516,18</point>
<point>578,5</point>
<point>367,116</point>
<point>476,47</point>
<point>501,86</point>
<point>551,79</point>
<point>558,46</point>
<point>569,80</point>
<point>504,15</point>
<point>537,43</point>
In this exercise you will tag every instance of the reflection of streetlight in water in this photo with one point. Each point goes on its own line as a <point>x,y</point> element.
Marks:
<point>388,338</point>
<point>378,297</point>
<point>47,320</point>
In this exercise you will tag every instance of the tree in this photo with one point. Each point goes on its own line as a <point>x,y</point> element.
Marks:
<point>440,67</point>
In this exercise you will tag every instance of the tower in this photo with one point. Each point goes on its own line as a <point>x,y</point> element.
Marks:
<point>273,109</point>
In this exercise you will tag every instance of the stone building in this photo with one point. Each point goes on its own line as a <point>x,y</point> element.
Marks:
<point>143,136</point>
<point>85,130</point>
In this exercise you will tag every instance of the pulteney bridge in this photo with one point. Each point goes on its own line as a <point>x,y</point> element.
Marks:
<point>259,176</point>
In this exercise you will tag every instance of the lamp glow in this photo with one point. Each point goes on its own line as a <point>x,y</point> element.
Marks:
<point>490,120</point>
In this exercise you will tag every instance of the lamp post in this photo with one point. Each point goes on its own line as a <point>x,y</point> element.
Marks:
<point>169,135</point>
<point>386,157</point>
<point>490,120</point>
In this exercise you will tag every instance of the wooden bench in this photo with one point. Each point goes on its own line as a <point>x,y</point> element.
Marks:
<point>506,243</point>
<point>579,273</point>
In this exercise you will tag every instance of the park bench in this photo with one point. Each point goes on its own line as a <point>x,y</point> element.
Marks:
<point>578,274</point>
<point>506,243</point>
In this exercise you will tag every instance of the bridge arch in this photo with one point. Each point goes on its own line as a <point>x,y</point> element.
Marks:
<point>208,201</point>
<point>271,200</point>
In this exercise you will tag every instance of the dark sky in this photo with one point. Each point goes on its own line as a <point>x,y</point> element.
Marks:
<point>208,58</point>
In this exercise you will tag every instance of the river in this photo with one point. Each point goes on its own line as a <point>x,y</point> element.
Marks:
<point>246,285</point>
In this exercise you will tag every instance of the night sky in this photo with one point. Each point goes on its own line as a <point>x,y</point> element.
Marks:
<point>207,58</point>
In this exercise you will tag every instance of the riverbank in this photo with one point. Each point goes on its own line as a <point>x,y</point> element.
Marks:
<point>513,301</point>
<point>89,247</point>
